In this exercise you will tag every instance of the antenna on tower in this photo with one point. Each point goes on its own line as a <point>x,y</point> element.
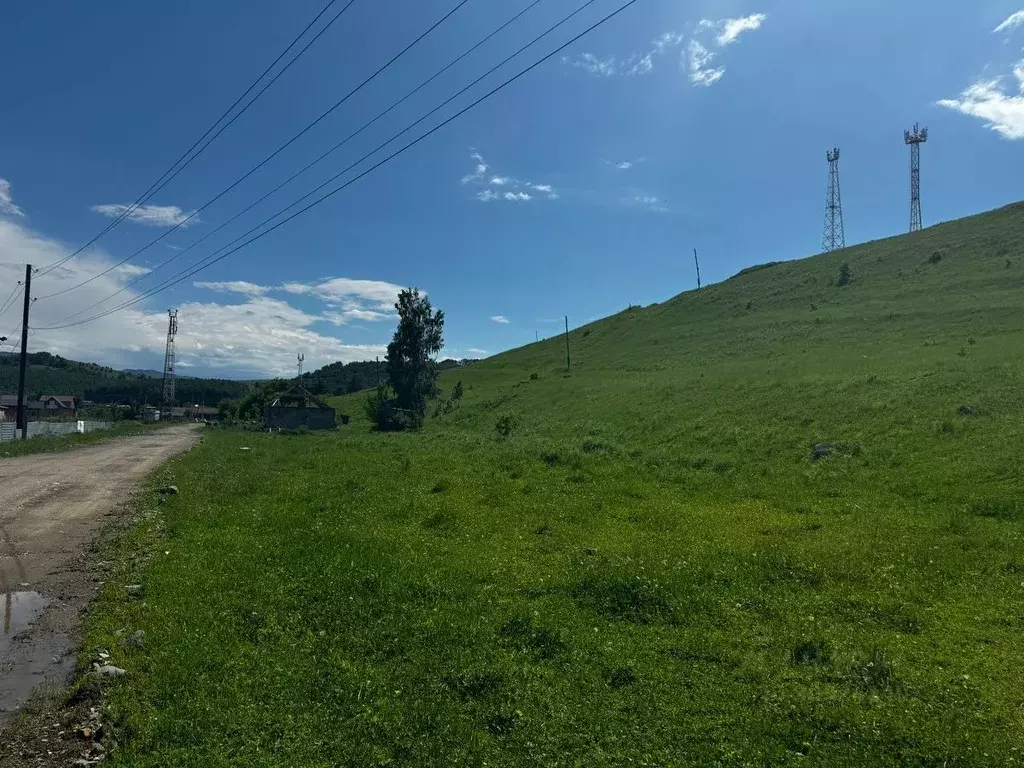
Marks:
<point>915,139</point>
<point>834,236</point>
<point>302,359</point>
<point>172,330</point>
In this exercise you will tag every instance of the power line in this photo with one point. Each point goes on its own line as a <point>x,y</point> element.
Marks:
<point>309,165</point>
<point>267,159</point>
<point>174,170</point>
<point>9,301</point>
<point>184,275</point>
<point>210,258</point>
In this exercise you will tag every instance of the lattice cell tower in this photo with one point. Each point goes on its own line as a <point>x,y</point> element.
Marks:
<point>834,236</point>
<point>915,139</point>
<point>172,330</point>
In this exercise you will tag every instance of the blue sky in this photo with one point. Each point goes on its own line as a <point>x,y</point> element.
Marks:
<point>578,190</point>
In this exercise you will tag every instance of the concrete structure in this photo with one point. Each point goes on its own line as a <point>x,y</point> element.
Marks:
<point>297,408</point>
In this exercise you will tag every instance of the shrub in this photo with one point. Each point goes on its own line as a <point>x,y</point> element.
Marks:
<point>505,425</point>
<point>844,274</point>
<point>811,652</point>
<point>935,258</point>
<point>457,392</point>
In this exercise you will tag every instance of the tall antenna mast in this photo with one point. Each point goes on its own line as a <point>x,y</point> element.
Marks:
<point>915,139</point>
<point>302,359</point>
<point>172,330</point>
<point>834,236</point>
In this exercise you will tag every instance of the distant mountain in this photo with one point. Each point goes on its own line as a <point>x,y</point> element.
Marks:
<point>145,372</point>
<point>52,374</point>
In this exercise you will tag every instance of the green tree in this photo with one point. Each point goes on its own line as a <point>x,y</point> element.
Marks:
<point>354,384</point>
<point>412,372</point>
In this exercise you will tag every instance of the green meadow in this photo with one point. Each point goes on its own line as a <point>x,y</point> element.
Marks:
<point>633,562</point>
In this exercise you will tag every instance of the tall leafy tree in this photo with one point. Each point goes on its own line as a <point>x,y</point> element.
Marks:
<point>412,372</point>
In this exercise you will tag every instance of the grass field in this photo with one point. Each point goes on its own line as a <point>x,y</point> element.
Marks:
<point>635,563</point>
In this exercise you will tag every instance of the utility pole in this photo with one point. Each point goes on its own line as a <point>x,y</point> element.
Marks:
<point>695,261</point>
<point>914,139</point>
<point>22,410</point>
<point>833,237</point>
<point>568,363</point>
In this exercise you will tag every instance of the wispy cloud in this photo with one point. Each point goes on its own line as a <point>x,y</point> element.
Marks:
<point>366,315</point>
<point>149,215</point>
<point>476,351</point>
<point>513,189</point>
<point>701,71</point>
<point>696,58</point>
<point>349,293</point>
<point>500,319</point>
<point>1010,23</point>
<point>234,286</point>
<point>7,205</point>
<point>733,28</point>
<point>649,202</point>
<point>988,101</point>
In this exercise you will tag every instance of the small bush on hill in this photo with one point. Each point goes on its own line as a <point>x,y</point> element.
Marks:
<point>844,274</point>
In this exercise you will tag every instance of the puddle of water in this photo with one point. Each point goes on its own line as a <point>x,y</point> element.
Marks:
<point>19,609</point>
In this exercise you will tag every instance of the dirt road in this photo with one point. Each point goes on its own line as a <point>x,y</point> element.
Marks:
<point>51,508</point>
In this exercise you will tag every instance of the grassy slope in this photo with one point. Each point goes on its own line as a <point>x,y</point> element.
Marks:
<point>649,568</point>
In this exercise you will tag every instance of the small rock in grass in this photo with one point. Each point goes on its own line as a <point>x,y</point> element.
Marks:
<point>133,590</point>
<point>168,490</point>
<point>135,640</point>
<point>108,670</point>
<point>591,550</point>
<point>965,410</point>
<point>245,448</point>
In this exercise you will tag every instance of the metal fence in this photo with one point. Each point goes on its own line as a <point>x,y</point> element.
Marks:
<point>9,431</point>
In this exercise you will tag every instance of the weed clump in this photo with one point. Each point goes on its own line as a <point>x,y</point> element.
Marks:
<point>811,652</point>
<point>542,643</point>
<point>637,601</point>
<point>505,425</point>
<point>620,677</point>
<point>873,674</point>
<point>935,258</point>
<point>844,274</point>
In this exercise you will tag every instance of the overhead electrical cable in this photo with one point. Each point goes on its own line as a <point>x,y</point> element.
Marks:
<point>265,160</point>
<point>185,274</point>
<point>309,165</point>
<point>185,159</point>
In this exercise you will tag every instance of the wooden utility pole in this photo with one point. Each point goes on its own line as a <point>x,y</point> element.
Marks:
<point>22,410</point>
<point>698,267</point>
<point>568,362</point>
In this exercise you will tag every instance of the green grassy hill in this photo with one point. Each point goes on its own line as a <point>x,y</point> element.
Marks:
<point>635,562</point>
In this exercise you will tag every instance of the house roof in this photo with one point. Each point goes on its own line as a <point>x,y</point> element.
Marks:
<point>67,401</point>
<point>11,401</point>
<point>299,396</point>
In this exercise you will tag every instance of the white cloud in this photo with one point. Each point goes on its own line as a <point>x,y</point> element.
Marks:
<point>7,205</point>
<point>258,337</point>
<point>348,292</point>
<point>149,215</point>
<point>649,202</point>
<point>987,100</point>
<point>1009,24</point>
<point>367,315</point>
<point>697,57</point>
<point>625,165</point>
<point>234,286</point>
<point>701,73</point>
<point>589,63</point>
<point>476,351</point>
<point>733,28</point>
<point>517,190</point>
<point>500,319</point>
